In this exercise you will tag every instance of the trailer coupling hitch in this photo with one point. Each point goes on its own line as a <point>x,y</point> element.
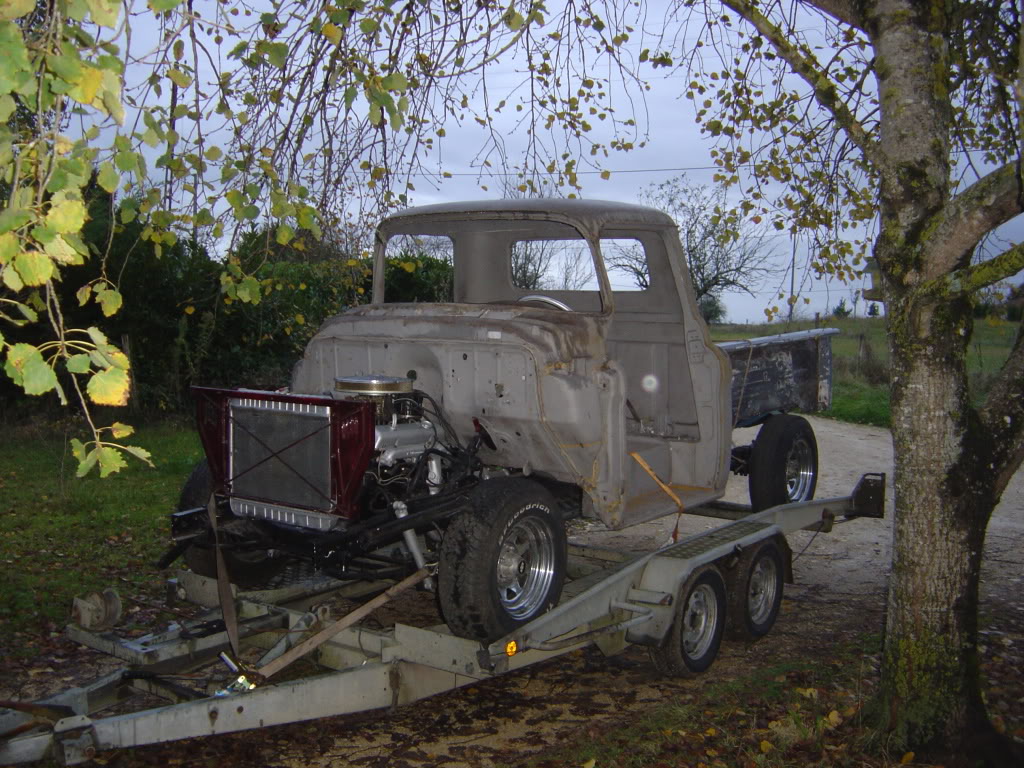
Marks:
<point>868,498</point>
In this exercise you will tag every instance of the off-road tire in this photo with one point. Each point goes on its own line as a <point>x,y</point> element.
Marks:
<point>692,643</point>
<point>755,591</point>
<point>502,560</point>
<point>245,568</point>
<point>783,463</point>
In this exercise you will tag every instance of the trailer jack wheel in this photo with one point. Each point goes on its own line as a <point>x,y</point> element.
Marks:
<point>502,561</point>
<point>755,592</point>
<point>692,643</point>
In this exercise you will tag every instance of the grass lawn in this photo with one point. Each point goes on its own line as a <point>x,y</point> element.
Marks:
<point>61,536</point>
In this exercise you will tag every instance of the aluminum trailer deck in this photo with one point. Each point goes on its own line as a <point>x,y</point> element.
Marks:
<point>632,599</point>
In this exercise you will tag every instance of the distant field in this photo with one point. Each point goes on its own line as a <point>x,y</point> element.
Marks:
<point>860,383</point>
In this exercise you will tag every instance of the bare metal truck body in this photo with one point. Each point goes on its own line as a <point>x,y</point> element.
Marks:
<point>445,446</point>
<point>566,394</point>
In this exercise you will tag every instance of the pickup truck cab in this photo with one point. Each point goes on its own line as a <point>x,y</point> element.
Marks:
<point>571,374</point>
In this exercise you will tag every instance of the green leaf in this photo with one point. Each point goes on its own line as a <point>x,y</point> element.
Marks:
<point>396,81</point>
<point>104,12</point>
<point>86,462</point>
<point>111,460</point>
<point>179,78</point>
<point>12,279</point>
<point>368,26</point>
<point>248,290</point>
<point>108,177</point>
<point>163,5</point>
<point>15,9</point>
<point>285,233</point>
<point>66,216</point>
<point>350,96</point>
<point>78,363</point>
<point>213,154</point>
<point>109,299</point>
<point>14,218</point>
<point>119,430</point>
<point>61,251</point>
<point>9,247</point>
<point>34,267</point>
<point>25,365</point>
<point>277,53</point>
<point>109,387</point>
<point>77,448</point>
<point>66,67</point>
<point>6,107</point>
<point>83,294</point>
<point>139,453</point>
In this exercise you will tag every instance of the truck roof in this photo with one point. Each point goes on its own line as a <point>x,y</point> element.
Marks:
<point>585,215</point>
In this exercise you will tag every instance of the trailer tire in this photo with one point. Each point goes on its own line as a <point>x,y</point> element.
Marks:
<point>692,643</point>
<point>755,591</point>
<point>502,560</point>
<point>783,463</point>
<point>245,568</point>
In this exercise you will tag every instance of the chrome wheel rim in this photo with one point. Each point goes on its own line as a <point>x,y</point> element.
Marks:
<point>700,621</point>
<point>525,568</point>
<point>761,590</point>
<point>799,470</point>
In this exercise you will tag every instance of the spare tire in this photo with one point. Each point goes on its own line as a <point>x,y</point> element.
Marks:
<point>783,462</point>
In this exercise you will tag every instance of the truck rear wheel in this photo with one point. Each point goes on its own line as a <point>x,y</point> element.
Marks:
<point>246,568</point>
<point>696,634</point>
<point>755,591</point>
<point>502,560</point>
<point>783,463</point>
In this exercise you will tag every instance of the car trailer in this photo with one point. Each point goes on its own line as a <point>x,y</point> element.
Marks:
<point>676,601</point>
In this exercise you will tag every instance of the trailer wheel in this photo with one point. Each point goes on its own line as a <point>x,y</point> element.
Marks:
<point>692,643</point>
<point>755,591</point>
<point>246,568</point>
<point>783,463</point>
<point>502,560</point>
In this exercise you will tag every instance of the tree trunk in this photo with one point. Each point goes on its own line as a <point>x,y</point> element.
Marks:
<point>930,668</point>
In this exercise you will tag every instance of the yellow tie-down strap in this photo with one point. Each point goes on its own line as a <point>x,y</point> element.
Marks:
<point>667,489</point>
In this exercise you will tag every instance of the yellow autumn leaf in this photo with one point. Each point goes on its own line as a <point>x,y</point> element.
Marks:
<point>87,86</point>
<point>834,718</point>
<point>331,32</point>
<point>766,746</point>
<point>189,310</point>
<point>109,387</point>
<point>907,758</point>
<point>589,764</point>
<point>710,731</point>
<point>808,693</point>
